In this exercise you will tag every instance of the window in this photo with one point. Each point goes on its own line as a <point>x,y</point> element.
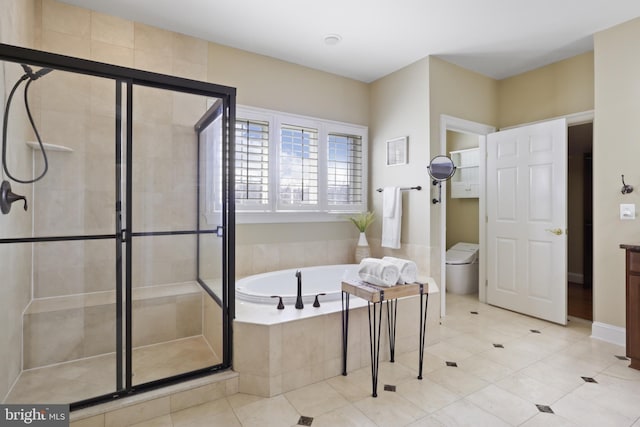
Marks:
<point>344,170</point>
<point>297,168</point>
<point>298,185</point>
<point>252,162</point>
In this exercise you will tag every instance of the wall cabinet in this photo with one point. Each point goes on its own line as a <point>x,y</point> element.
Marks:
<point>466,181</point>
<point>633,304</point>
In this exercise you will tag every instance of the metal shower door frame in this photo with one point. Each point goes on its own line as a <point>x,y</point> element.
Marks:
<point>123,233</point>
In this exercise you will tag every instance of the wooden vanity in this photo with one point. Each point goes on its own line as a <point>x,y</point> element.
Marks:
<point>633,303</point>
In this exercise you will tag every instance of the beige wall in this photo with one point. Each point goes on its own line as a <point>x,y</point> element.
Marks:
<point>407,102</point>
<point>400,107</point>
<point>462,213</point>
<point>615,152</point>
<point>463,94</point>
<point>554,90</point>
<point>278,85</point>
<point>16,22</point>
<point>270,83</point>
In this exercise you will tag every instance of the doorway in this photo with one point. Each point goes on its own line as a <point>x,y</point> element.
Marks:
<point>579,124</point>
<point>580,226</point>
<point>475,135</point>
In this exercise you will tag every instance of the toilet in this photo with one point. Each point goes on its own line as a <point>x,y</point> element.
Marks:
<point>462,268</point>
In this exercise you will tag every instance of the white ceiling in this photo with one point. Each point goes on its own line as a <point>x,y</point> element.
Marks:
<point>498,38</point>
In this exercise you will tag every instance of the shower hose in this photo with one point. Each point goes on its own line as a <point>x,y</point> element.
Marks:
<point>30,76</point>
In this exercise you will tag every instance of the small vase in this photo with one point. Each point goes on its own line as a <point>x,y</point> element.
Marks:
<point>362,249</point>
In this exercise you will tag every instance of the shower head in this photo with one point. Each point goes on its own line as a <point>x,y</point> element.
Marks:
<point>28,71</point>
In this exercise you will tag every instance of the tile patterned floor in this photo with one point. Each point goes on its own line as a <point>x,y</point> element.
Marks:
<point>534,379</point>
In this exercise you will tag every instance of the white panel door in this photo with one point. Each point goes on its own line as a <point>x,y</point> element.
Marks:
<point>527,220</point>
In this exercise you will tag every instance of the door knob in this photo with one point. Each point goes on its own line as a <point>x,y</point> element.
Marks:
<point>556,231</point>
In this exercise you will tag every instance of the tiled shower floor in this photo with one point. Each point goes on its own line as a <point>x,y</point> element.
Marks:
<point>95,376</point>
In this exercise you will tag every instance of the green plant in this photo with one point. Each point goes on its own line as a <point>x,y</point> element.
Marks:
<point>363,220</point>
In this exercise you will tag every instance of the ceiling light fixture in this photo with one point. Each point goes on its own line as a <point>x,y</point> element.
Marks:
<point>332,39</point>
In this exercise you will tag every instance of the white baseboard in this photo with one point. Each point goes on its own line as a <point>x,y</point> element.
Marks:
<point>575,278</point>
<point>609,333</point>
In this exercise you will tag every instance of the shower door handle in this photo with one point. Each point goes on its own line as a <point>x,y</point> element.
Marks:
<point>219,231</point>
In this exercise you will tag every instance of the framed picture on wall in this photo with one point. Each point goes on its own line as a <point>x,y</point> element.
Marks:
<point>397,151</point>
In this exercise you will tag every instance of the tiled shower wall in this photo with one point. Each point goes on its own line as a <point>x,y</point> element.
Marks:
<point>16,22</point>
<point>78,112</point>
<point>77,196</point>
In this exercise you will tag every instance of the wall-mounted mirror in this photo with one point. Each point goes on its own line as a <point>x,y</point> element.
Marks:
<point>441,168</point>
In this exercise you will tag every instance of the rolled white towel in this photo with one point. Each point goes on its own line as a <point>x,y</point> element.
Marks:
<point>408,269</point>
<point>378,272</point>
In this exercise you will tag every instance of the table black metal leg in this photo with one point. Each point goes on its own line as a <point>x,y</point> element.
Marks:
<point>375,324</point>
<point>345,330</point>
<point>423,327</point>
<point>392,311</point>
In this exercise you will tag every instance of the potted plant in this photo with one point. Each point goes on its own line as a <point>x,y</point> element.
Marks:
<point>362,221</point>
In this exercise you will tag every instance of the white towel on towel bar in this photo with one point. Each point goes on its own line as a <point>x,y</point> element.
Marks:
<point>391,217</point>
<point>408,269</point>
<point>378,272</point>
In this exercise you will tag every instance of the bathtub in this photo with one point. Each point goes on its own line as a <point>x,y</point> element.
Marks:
<point>321,279</point>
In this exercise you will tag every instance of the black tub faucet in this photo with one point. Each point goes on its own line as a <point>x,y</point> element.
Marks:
<point>299,304</point>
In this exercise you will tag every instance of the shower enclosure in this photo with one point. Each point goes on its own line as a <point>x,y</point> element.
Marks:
<point>119,276</point>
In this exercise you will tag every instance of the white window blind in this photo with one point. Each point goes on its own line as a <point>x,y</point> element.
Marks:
<point>298,184</point>
<point>344,170</point>
<point>252,162</point>
<point>293,168</point>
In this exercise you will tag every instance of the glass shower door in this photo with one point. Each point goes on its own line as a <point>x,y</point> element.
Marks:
<point>213,225</point>
<point>173,331</point>
<point>103,293</point>
<point>61,294</point>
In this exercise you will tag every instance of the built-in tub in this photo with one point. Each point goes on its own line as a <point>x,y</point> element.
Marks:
<point>325,279</point>
<point>276,351</point>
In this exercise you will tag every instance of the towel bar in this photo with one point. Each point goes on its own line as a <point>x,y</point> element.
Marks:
<point>417,187</point>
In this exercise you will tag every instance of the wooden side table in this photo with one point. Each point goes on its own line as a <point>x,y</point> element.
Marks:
<point>375,296</point>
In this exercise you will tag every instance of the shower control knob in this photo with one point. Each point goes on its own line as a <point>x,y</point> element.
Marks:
<point>7,197</point>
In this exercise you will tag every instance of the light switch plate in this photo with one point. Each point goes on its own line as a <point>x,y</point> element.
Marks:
<point>627,211</point>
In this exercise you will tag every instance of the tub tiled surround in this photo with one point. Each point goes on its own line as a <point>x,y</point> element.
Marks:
<point>277,358</point>
<point>420,254</point>
<point>262,258</point>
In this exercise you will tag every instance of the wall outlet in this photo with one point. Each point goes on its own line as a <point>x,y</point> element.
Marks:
<point>627,211</point>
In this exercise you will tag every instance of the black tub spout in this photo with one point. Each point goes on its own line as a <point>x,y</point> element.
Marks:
<point>299,304</point>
